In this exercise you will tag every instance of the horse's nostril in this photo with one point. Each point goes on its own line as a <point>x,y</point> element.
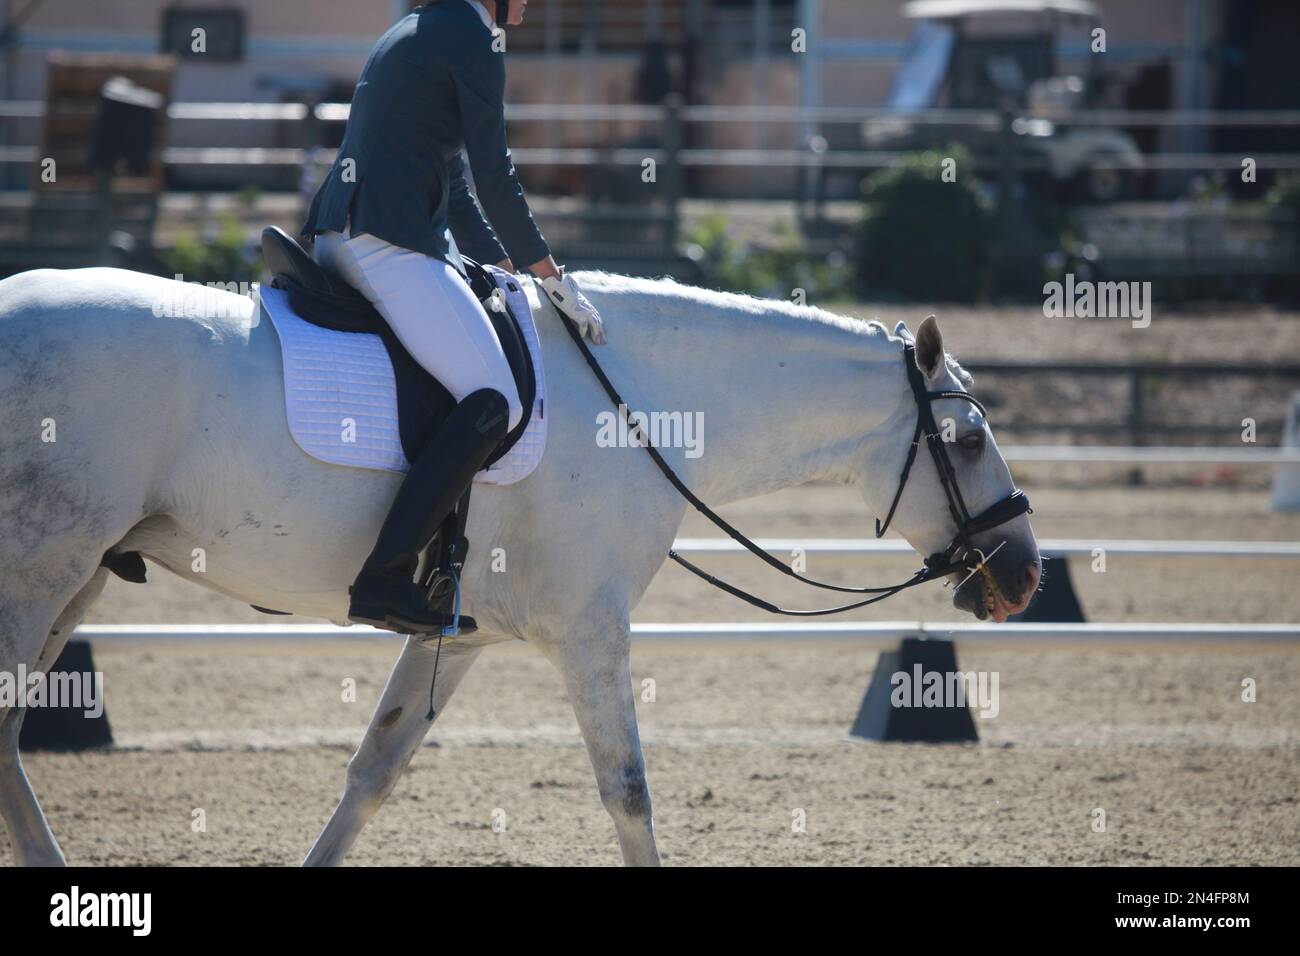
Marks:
<point>1031,577</point>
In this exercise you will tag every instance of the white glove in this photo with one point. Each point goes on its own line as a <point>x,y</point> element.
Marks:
<point>571,303</point>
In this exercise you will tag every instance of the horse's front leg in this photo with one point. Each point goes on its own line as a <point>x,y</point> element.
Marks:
<point>597,672</point>
<point>399,725</point>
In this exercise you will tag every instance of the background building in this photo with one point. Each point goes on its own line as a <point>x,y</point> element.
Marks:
<point>1185,54</point>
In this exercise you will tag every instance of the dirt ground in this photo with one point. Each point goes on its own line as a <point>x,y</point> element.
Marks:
<point>744,738</point>
<point>739,739</point>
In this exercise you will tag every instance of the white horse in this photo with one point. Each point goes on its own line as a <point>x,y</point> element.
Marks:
<point>121,431</point>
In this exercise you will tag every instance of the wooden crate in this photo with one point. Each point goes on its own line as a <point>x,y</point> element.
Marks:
<point>66,219</point>
<point>71,105</point>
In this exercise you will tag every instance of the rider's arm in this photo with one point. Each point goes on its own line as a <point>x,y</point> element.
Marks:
<point>545,268</point>
<point>474,235</point>
<point>480,94</point>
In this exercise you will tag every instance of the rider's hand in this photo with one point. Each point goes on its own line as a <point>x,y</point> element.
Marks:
<point>571,303</point>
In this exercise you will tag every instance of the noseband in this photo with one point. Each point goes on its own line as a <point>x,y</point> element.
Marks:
<point>961,553</point>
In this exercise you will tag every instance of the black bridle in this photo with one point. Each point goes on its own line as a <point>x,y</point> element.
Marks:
<point>961,554</point>
<point>960,551</point>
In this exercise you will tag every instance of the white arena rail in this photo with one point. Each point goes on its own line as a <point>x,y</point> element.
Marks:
<point>881,633</point>
<point>1052,547</point>
<point>889,632</point>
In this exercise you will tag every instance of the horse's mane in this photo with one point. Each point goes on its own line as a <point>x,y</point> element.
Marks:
<point>733,302</point>
<point>611,283</point>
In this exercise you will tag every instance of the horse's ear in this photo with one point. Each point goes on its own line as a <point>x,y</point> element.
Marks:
<point>903,332</point>
<point>929,348</point>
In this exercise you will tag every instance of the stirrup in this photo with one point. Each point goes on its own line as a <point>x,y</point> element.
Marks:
<point>460,623</point>
<point>453,629</point>
<point>442,579</point>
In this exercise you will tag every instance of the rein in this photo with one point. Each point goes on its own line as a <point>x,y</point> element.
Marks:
<point>936,566</point>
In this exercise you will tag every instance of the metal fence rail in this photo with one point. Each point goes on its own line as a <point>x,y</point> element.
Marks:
<point>740,113</point>
<point>1150,455</point>
<point>886,633</point>
<point>872,633</point>
<point>813,153</point>
<point>1051,547</point>
<point>1136,424</point>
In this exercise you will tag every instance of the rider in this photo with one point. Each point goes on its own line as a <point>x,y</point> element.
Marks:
<point>434,85</point>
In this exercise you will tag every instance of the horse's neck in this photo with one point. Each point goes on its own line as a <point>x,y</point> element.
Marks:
<point>783,398</point>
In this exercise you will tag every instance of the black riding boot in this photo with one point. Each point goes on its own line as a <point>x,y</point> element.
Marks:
<point>385,593</point>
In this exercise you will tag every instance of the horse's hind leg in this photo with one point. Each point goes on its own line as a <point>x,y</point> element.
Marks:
<point>29,833</point>
<point>399,725</point>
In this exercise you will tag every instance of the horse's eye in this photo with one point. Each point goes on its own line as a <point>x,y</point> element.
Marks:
<point>972,442</point>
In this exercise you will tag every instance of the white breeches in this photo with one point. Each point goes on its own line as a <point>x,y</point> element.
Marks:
<point>430,309</point>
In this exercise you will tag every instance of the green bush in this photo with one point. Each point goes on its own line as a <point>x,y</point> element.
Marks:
<point>224,256</point>
<point>1285,193</point>
<point>728,264</point>
<point>921,237</point>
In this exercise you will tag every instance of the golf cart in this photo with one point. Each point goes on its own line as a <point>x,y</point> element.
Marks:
<point>1002,55</point>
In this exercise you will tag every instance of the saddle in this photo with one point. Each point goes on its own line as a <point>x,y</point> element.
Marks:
<point>422,402</point>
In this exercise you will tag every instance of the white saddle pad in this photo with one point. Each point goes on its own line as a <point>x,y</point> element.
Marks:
<point>341,394</point>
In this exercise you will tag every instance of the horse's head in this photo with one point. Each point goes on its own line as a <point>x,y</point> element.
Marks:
<point>1002,564</point>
